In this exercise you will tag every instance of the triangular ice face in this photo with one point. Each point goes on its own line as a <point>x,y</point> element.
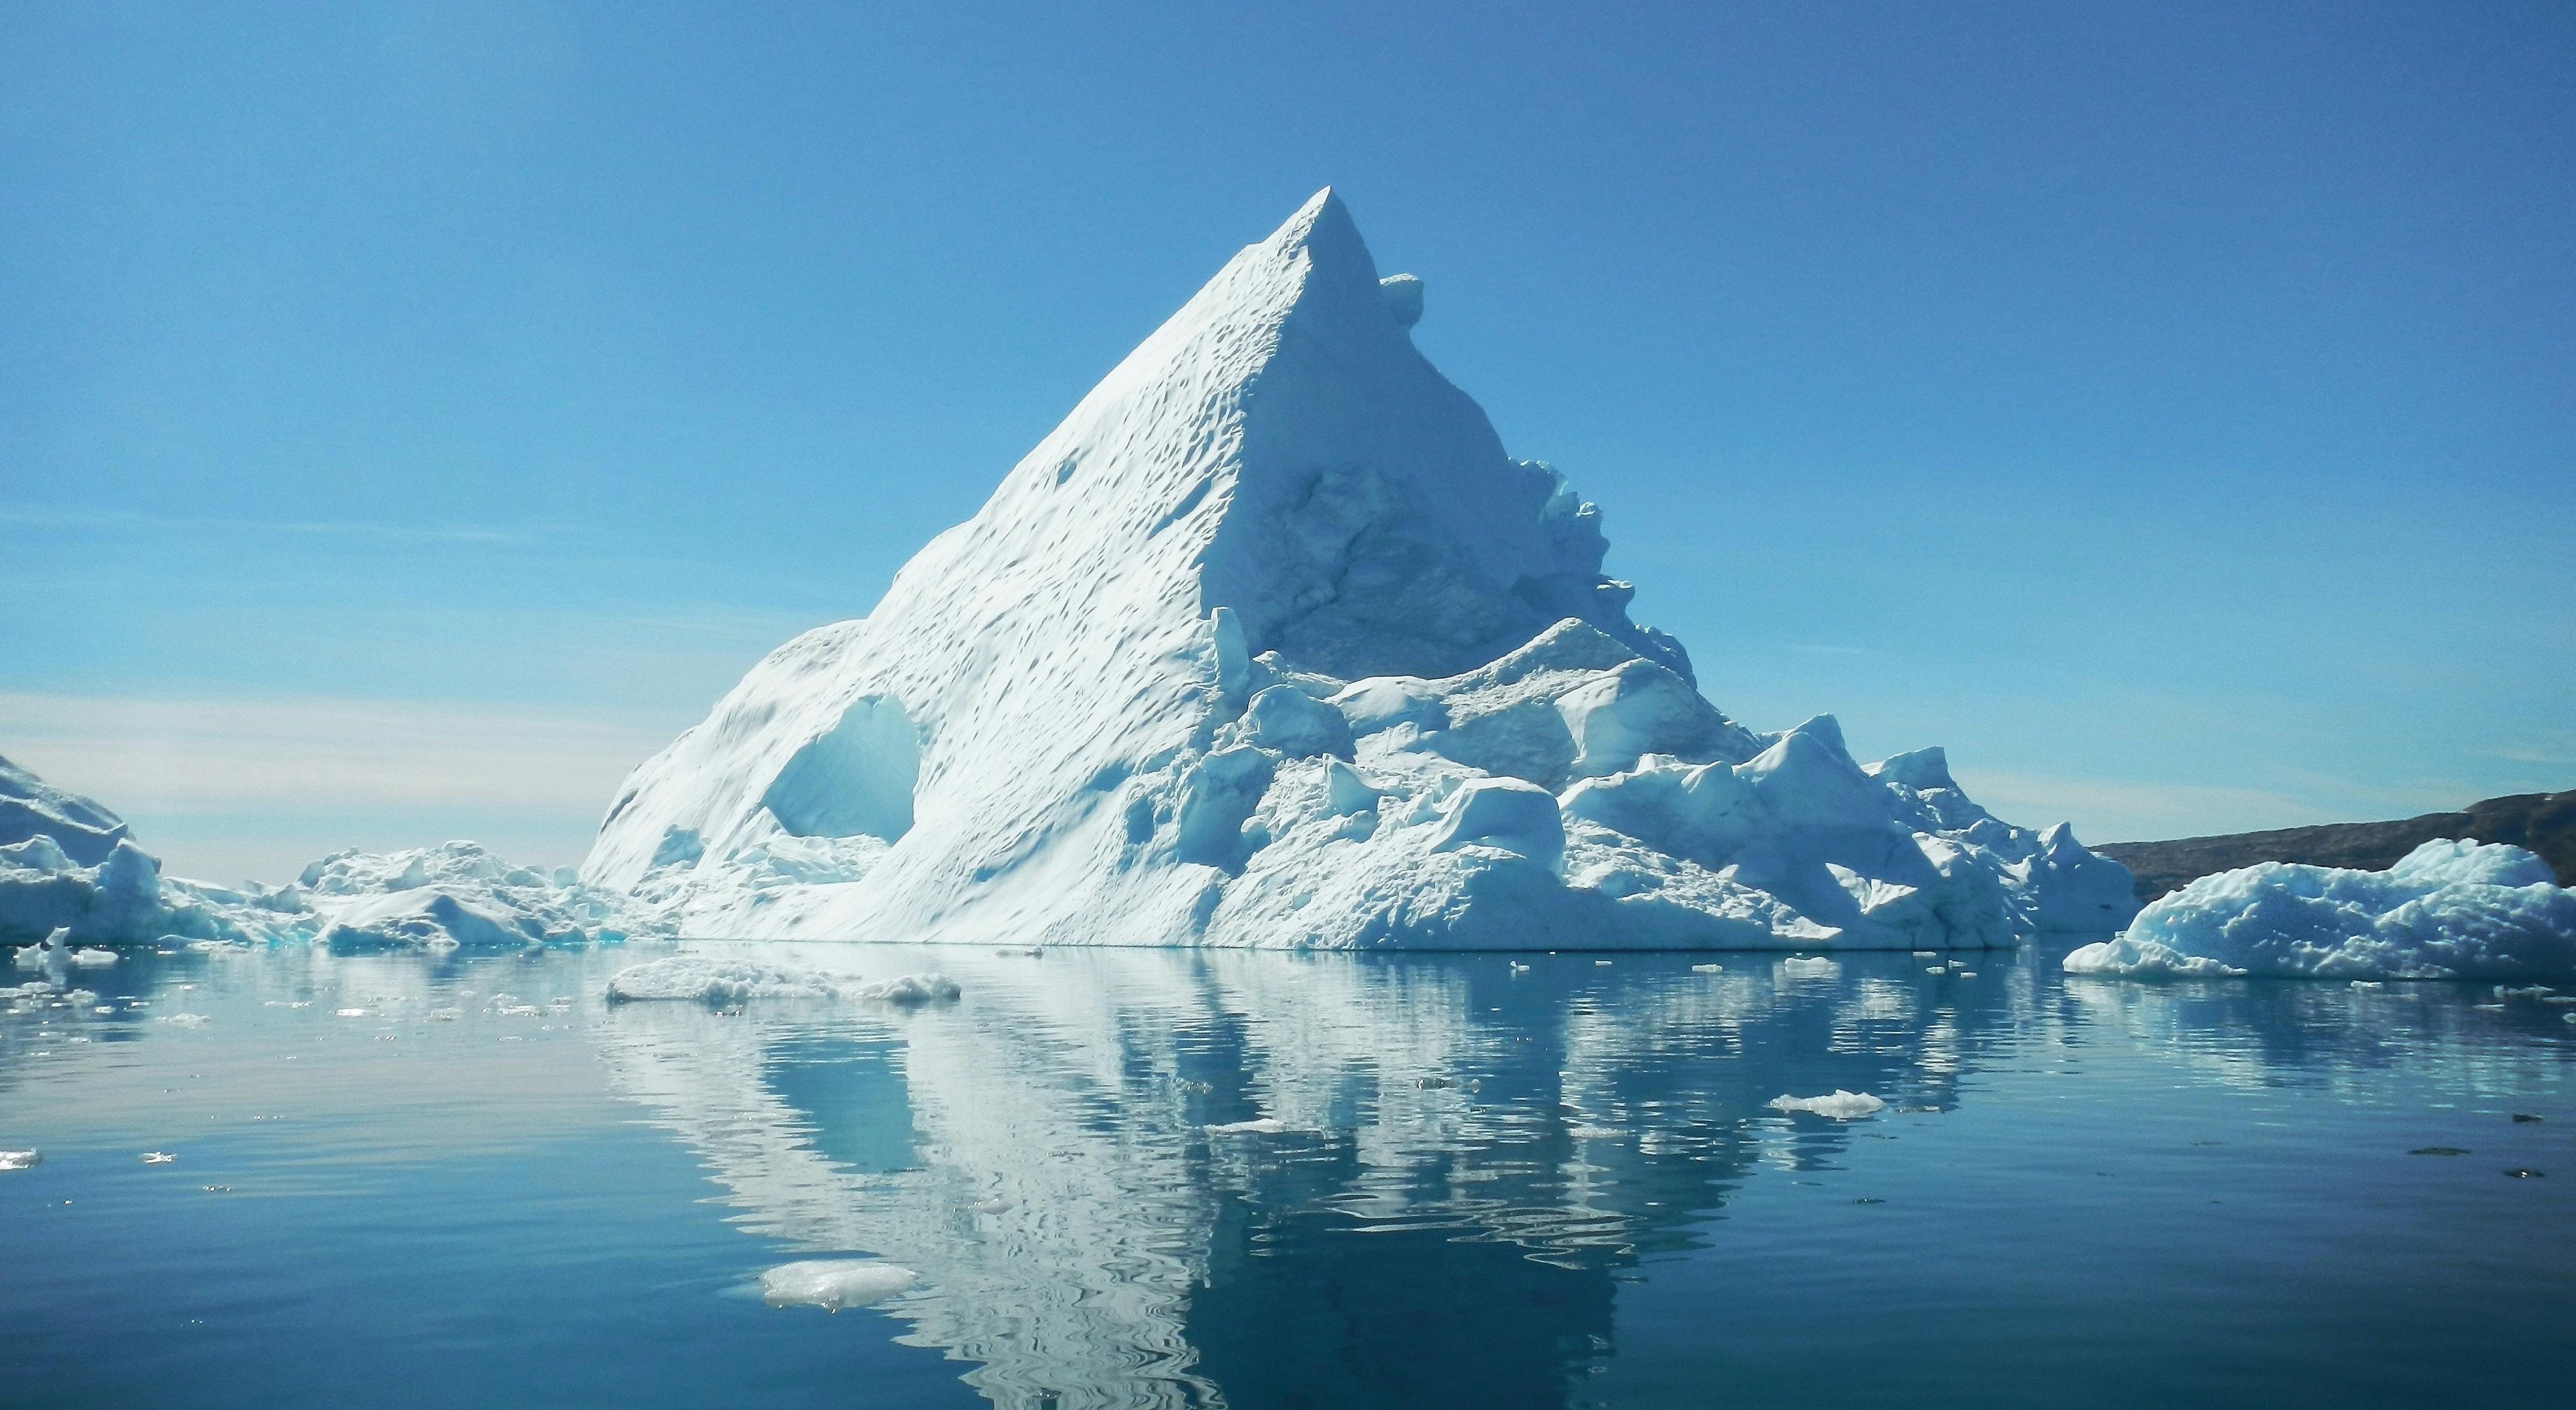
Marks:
<point>1270,643</point>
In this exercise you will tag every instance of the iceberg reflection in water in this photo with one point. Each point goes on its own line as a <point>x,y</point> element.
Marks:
<point>1257,1179</point>
<point>1124,1167</point>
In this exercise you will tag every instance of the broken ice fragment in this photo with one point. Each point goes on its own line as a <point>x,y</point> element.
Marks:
<point>834,1283</point>
<point>159,1157</point>
<point>20,1160</point>
<point>1258,1126</point>
<point>1839,1105</point>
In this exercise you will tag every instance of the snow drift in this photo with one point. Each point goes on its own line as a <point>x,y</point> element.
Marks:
<point>1270,643</point>
<point>2447,910</point>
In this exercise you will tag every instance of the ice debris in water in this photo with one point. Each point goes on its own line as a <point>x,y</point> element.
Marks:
<point>182,1020</point>
<point>2447,910</point>
<point>1258,1126</point>
<point>723,981</point>
<point>93,958</point>
<point>1804,967</point>
<point>20,1160</point>
<point>834,1283</point>
<point>159,1157</point>
<point>1708,969</point>
<point>1840,1105</point>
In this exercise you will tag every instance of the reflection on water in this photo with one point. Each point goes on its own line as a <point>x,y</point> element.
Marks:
<point>1472,1183</point>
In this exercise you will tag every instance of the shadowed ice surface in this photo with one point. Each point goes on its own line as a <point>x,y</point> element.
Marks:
<point>1448,1181</point>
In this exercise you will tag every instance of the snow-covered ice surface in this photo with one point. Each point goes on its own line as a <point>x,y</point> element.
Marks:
<point>1271,644</point>
<point>72,880</point>
<point>2447,910</point>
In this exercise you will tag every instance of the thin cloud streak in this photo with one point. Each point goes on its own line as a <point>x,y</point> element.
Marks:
<point>309,755</point>
<point>95,519</point>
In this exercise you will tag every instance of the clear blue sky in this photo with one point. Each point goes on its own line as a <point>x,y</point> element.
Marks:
<point>415,414</point>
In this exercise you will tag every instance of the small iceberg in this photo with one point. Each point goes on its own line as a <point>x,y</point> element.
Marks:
<point>1708,969</point>
<point>834,1283</point>
<point>2447,910</point>
<point>1258,1126</point>
<point>704,980</point>
<point>93,958</point>
<point>1805,967</point>
<point>21,1160</point>
<point>1840,1105</point>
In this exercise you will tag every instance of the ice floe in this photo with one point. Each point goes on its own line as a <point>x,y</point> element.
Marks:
<point>714,980</point>
<point>1839,1104</point>
<point>834,1283</point>
<point>2447,910</point>
<point>1258,1126</point>
<point>21,1160</point>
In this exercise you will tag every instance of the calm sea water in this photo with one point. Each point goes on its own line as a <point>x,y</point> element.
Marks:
<point>1552,1187</point>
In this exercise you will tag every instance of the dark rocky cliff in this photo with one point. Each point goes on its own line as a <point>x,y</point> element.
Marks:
<point>2543,822</point>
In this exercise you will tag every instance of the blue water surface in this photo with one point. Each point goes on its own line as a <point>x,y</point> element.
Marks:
<point>1464,1183</point>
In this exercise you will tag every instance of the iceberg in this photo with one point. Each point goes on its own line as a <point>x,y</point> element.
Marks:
<point>1270,643</point>
<point>72,880</point>
<point>707,980</point>
<point>2447,910</point>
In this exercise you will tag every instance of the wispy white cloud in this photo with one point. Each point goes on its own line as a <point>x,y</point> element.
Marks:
<point>320,755</point>
<point>119,519</point>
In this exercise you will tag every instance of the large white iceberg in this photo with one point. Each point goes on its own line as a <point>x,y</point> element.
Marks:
<point>1270,643</point>
<point>2447,910</point>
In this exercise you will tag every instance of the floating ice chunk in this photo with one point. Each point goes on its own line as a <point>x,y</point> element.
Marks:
<point>2125,958</point>
<point>834,1283</point>
<point>1708,969</point>
<point>995,1205</point>
<point>443,1015</point>
<point>708,980</point>
<point>20,1160</point>
<point>93,958</point>
<point>159,1157</point>
<point>1840,1105</point>
<point>2447,910</point>
<point>714,981</point>
<point>1258,1126</point>
<point>183,1020</point>
<point>1809,967</point>
<point>911,989</point>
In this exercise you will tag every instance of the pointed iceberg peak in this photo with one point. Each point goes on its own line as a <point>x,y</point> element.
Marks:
<point>1324,230</point>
